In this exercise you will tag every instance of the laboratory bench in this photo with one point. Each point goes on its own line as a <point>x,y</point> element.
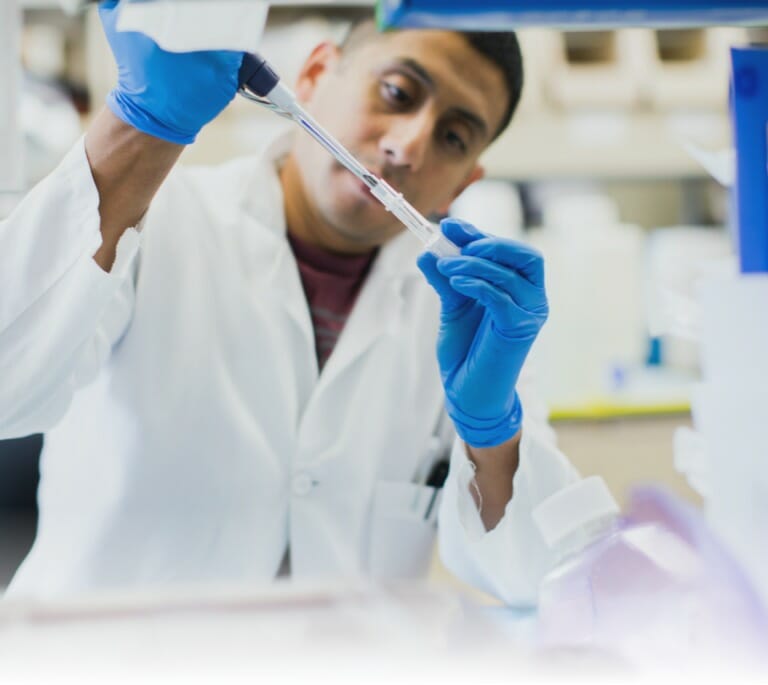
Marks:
<point>627,450</point>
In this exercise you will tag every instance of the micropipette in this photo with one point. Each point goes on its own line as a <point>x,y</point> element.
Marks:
<point>260,84</point>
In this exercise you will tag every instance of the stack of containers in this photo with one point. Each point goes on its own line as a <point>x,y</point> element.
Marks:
<point>731,407</point>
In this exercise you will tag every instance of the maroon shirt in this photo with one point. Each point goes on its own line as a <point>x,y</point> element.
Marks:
<point>331,284</point>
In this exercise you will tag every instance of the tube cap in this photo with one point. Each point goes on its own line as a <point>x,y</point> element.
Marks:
<point>256,74</point>
<point>571,509</point>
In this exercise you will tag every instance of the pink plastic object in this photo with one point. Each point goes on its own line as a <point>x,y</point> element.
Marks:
<point>738,620</point>
<point>654,588</point>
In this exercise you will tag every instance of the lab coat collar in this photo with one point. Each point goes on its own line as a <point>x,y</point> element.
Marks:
<point>381,299</point>
<point>263,197</point>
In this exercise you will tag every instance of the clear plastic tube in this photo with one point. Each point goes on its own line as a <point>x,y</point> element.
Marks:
<point>428,233</point>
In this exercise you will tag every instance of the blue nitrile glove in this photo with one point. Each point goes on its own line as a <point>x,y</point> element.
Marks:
<point>169,95</point>
<point>493,306</point>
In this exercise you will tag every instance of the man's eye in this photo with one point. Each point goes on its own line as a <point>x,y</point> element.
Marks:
<point>393,94</point>
<point>455,141</point>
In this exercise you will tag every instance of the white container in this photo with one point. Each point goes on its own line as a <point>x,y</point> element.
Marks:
<point>596,328</point>
<point>678,259</point>
<point>189,25</point>
<point>732,415</point>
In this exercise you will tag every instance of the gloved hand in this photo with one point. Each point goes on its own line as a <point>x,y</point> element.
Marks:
<point>493,306</point>
<point>169,95</point>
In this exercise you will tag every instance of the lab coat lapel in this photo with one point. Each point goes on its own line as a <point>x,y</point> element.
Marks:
<point>275,275</point>
<point>284,286</point>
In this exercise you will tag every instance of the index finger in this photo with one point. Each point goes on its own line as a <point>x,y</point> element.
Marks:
<point>510,253</point>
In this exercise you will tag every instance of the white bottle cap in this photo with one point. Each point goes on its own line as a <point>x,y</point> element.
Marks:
<point>573,508</point>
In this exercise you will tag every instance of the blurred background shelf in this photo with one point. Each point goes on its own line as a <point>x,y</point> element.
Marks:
<point>605,145</point>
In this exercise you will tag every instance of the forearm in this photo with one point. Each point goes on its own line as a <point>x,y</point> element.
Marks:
<point>128,167</point>
<point>495,467</point>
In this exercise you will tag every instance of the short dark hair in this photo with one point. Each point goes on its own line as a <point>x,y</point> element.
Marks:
<point>500,47</point>
<point>503,49</point>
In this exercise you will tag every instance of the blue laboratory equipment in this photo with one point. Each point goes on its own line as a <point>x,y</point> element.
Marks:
<point>749,103</point>
<point>260,84</point>
<point>495,15</point>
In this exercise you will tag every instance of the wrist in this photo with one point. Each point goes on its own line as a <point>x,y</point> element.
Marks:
<point>499,459</point>
<point>486,433</point>
<point>123,107</point>
<point>127,167</point>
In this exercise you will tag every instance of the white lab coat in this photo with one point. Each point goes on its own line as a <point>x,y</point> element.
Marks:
<point>189,436</point>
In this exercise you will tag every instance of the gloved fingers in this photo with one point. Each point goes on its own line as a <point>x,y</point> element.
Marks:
<point>450,299</point>
<point>509,320</point>
<point>524,293</point>
<point>511,254</point>
<point>427,262</point>
<point>459,232</point>
<point>499,303</point>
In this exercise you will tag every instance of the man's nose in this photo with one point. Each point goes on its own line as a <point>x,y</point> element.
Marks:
<point>405,142</point>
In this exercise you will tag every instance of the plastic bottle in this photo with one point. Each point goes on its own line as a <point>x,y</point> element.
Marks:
<point>627,589</point>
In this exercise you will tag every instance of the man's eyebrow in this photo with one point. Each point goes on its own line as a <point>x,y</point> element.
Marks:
<point>472,119</point>
<point>423,75</point>
<point>420,72</point>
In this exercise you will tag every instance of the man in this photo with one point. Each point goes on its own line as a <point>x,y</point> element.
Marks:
<point>236,366</point>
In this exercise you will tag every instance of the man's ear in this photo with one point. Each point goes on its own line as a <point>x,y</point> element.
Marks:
<point>320,61</point>
<point>475,175</point>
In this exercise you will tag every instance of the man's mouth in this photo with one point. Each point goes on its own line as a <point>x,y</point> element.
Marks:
<point>379,174</point>
<point>363,188</point>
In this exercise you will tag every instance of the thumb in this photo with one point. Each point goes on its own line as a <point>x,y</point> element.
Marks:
<point>449,297</point>
<point>460,232</point>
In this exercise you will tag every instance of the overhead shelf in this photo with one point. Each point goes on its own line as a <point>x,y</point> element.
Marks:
<point>624,103</point>
<point>633,145</point>
<point>496,15</point>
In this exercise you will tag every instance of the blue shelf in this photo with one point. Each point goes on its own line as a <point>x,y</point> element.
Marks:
<point>572,14</point>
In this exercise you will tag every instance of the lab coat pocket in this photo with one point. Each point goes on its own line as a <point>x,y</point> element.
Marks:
<point>402,531</point>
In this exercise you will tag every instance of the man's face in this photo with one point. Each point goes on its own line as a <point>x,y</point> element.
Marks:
<point>415,107</point>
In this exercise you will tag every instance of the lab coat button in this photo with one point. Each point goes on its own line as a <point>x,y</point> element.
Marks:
<point>301,484</point>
